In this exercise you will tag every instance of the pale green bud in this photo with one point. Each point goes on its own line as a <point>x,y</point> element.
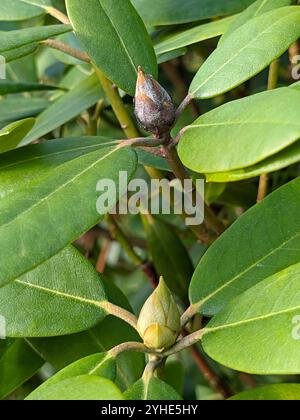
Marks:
<point>159,320</point>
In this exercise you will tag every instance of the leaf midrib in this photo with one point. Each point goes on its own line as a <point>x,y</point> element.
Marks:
<point>250,320</point>
<point>246,122</point>
<point>58,293</point>
<point>120,38</point>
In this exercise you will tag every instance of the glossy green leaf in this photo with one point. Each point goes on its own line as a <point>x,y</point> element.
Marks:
<point>62,206</point>
<point>100,364</point>
<point>15,10</point>
<point>259,7</point>
<point>62,296</point>
<point>84,387</point>
<point>262,320</point>
<point>20,167</point>
<point>154,389</point>
<point>278,392</point>
<point>243,132</point>
<point>170,257</point>
<point>18,363</point>
<point>192,36</point>
<point>16,108</point>
<point>12,135</point>
<point>171,55</point>
<point>170,12</point>
<point>263,241</point>
<point>249,50</point>
<point>10,40</point>
<point>148,159</point>
<point>17,53</point>
<point>62,351</point>
<point>67,107</point>
<point>7,87</point>
<point>277,162</point>
<point>130,43</point>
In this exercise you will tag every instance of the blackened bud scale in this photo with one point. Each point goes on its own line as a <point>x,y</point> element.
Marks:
<point>154,108</point>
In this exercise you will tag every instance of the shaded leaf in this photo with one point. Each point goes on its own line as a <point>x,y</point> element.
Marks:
<point>170,12</point>
<point>10,40</point>
<point>18,363</point>
<point>7,87</point>
<point>73,103</point>
<point>170,257</point>
<point>16,108</point>
<point>192,36</point>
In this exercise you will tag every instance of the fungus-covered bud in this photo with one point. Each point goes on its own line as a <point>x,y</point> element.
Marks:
<point>159,320</point>
<point>154,108</point>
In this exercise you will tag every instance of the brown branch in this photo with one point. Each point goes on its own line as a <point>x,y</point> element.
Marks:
<point>61,46</point>
<point>57,14</point>
<point>212,378</point>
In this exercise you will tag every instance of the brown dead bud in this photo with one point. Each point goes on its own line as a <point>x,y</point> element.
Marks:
<point>154,108</point>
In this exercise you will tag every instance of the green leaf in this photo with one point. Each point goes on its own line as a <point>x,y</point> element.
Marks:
<point>278,392</point>
<point>193,35</point>
<point>259,7</point>
<point>64,295</point>
<point>153,389</point>
<point>169,255</point>
<point>83,96</point>
<point>62,351</point>
<point>279,161</point>
<point>124,46</point>
<point>174,374</point>
<point>261,320</point>
<point>17,53</point>
<point>62,206</point>
<point>10,40</point>
<point>17,10</point>
<point>263,241</point>
<point>171,55</point>
<point>16,108</point>
<point>84,387</point>
<point>249,50</point>
<point>20,167</point>
<point>170,12</point>
<point>100,364</point>
<point>242,133</point>
<point>148,159</point>
<point>7,87</point>
<point>11,136</point>
<point>18,363</point>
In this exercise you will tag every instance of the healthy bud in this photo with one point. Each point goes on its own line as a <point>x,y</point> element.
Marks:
<point>159,320</point>
<point>154,108</point>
